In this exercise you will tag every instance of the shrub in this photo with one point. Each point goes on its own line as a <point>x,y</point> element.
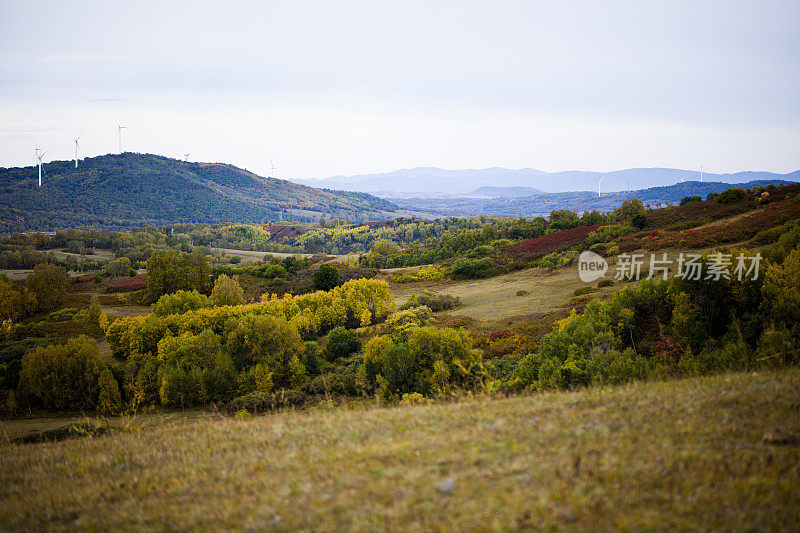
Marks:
<point>326,277</point>
<point>690,200</point>
<point>341,343</point>
<point>605,283</point>
<point>235,260</point>
<point>639,221</point>
<point>260,402</point>
<point>464,268</point>
<point>732,195</point>
<point>584,290</point>
<point>180,302</point>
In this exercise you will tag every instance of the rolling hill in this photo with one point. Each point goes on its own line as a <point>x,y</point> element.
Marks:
<point>543,203</point>
<point>120,191</point>
<point>424,182</point>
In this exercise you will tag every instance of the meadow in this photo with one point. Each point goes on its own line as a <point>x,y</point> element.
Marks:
<point>711,453</point>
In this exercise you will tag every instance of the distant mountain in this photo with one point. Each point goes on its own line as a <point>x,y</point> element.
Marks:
<point>543,204</point>
<point>120,191</point>
<point>427,181</point>
<point>502,192</point>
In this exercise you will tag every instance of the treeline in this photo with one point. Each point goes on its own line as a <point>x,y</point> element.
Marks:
<point>676,327</point>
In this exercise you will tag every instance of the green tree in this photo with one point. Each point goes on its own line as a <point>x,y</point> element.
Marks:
<point>265,339</point>
<point>63,376</point>
<point>227,291</point>
<point>629,209</point>
<point>49,283</point>
<point>326,277</point>
<point>180,302</point>
<point>109,398</point>
<point>341,343</point>
<point>15,301</point>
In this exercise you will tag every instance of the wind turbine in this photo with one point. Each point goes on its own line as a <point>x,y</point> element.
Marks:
<point>39,156</point>
<point>119,134</point>
<point>76,149</point>
<point>701,173</point>
<point>271,167</point>
<point>186,156</point>
<point>598,184</point>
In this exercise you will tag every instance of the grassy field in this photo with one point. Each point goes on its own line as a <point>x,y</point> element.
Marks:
<point>522,292</point>
<point>699,454</point>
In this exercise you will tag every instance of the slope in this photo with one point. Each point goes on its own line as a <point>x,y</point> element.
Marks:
<point>117,191</point>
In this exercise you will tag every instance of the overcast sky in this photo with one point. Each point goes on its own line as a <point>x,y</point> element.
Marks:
<point>332,88</point>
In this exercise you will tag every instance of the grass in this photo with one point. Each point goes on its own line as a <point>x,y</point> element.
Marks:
<point>688,454</point>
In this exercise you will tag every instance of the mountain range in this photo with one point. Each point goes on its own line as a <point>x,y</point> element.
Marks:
<point>130,189</point>
<point>423,182</point>
<point>543,203</point>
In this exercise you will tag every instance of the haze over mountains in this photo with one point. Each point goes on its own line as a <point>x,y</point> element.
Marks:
<point>427,181</point>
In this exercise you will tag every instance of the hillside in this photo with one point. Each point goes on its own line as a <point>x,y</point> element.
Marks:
<point>542,204</point>
<point>697,454</point>
<point>118,191</point>
<point>427,181</point>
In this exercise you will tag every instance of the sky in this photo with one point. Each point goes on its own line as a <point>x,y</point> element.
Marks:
<point>330,88</point>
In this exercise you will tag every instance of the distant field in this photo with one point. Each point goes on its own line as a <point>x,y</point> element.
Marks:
<point>496,298</point>
<point>715,453</point>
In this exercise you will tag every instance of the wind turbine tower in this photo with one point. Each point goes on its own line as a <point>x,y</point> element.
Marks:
<point>598,184</point>
<point>186,156</point>
<point>701,173</point>
<point>271,168</point>
<point>76,150</point>
<point>119,135</point>
<point>39,156</point>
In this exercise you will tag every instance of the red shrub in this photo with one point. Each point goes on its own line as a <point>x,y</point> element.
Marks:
<point>552,242</point>
<point>133,283</point>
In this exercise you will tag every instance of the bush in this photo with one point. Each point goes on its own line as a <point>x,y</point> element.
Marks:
<point>605,283</point>
<point>326,277</point>
<point>180,302</point>
<point>341,343</point>
<point>464,268</point>
<point>690,200</point>
<point>235,260</point>
<point>732,195</point>
<point>261,402</point>
<point>639,221</point>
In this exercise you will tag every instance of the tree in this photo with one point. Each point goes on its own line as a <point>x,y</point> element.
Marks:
<point>326,277</point>
<point>629,209</point>
<point>109,399</point>
<point>168,272</point>
<point>781,290</point>
<point>15,301</point>
<point>180,302</point>
<point>341,343</point>
<point>227,291</point>
<point>118,267</point>
<point>269,340</point>
<point>561,219</point>
<point>63,376</point>
<point>49,283</point>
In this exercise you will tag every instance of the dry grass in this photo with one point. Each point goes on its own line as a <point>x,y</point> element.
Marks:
<point>672,455</point>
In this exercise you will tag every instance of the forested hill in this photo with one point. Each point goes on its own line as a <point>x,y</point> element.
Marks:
<point>118,191</point>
